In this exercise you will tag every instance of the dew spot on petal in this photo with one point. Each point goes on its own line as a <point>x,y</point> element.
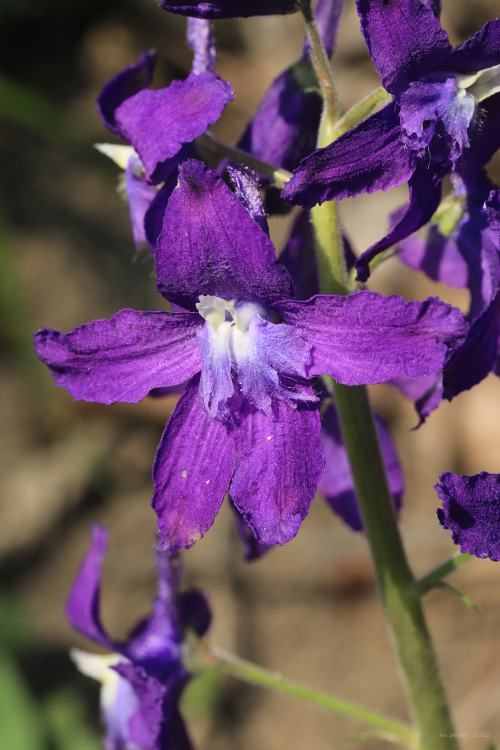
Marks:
<point>184,474</point>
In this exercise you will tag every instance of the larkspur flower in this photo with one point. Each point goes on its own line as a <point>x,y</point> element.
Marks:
<point>442,98</point>
<point>143,678</point>
<point>471,512</point>
<point>159,125</point>
<point>230,8</point>
<point>248,420</point>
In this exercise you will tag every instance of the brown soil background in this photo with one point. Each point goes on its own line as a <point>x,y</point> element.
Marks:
<point>309,610</point>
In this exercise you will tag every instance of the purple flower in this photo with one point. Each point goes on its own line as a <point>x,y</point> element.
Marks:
<point>230,8</point>
<point>471,512</point>
<point>442,98</point>
<point>158,124</point>
<point>285,127</point>
<point>143,678</point>
<point>248,420</point>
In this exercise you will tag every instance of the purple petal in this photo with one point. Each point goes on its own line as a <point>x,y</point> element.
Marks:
<point>124,85</point>
<point>475,359</point>
<point>299,257</point>
<point>201,41</point>
<point>219,249</point>
<point>253,549</point>
<point>280,463</point>
<point>246,188</point>
<point>492,206</point>
<point>479,52</point>
<point>194,612</point>
<point>140,196</point>
<point>284,129</point>
<point>123,358</point>
<point>404,38</point>
<point>435,116</point>
<point>229,8</point>
<point>192,470</point>
<point>425,195</point>
<point>367,338</point>
<point>82,606</point>
<point>437,256</point>
<point>484,135</point>
<point>145,724</point>
<point>337,484</point>
<point>368,158</point>
<point>471,511</point>
<point>158,122</point>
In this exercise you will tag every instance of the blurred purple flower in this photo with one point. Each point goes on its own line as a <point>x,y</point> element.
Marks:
<point>143,678</point>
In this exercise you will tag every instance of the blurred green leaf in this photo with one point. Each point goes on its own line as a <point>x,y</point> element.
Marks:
<point>68,724</point>
<point>20,725</point>
<point>15,632</point>
<point>30,110</point>
<point>202,695</point>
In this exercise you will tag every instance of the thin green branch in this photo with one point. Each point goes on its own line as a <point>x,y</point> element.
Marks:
<point>435,576</point>
<point>361,110</point>
<point>387,728</point>
<point>207,144</point>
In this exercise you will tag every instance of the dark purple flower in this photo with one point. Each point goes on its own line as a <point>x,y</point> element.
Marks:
<point>230,8</point>
<point>441,103</point>
<point>285,127</point>
<point>248,420</point>
<point>158,125</point>
<point>471,512</point>
<point>143,678</point>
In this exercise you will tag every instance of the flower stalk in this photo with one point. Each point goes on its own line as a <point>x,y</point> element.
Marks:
<point>201,655</point>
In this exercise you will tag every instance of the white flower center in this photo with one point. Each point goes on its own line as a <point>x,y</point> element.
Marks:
<point>218,311</point>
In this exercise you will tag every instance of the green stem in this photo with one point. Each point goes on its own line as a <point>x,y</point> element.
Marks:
<point>399,593</point>
<point>361,111</point>
<point>435,577</point>
<point>232,665</point>
<point>207,144</point>
<point>321,64</point>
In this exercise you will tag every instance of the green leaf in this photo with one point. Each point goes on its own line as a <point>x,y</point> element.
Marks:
<point>20,724</point>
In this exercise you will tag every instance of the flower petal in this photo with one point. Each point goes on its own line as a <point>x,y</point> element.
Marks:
<point>367,338</point>
<point>479,52</point>
<point>337,483</point>
<point>280,463</point>
<point>82,606</point>
<point>425,194</point>
<point>123,358</point>
<point>124,85</point>
<point>404,38</point>
<point>229,8</point>
<point>368,158</point>
<point>158,122</point>
<point>471,511</point>
<point>219,249</point>
<point>192,470</point>
<point>140,195</point>
<point>475,359</point>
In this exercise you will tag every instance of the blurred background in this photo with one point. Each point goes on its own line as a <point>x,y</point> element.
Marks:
<point>310,609</point>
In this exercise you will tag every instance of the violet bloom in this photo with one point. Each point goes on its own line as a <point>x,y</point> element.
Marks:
<point>248,420</point>
<point>143,678</point>
<point>230,8</point>
<point>158,124</point>
<point>471,512</point>
<point>441,100</point>
<point>285,127</point>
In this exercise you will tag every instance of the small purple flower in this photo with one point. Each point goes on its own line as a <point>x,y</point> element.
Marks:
<point>442,98</point>
<point>230,8</point>
<point>471,512</point>
<point>143,678</point>
<point>248,420</point>
<point>159,124</point>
